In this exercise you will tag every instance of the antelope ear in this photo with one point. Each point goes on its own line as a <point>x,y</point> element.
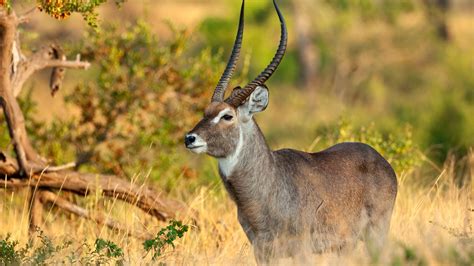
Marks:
<point>257,101</point>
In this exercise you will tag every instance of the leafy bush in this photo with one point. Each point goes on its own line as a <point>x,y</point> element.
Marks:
<point>104,251</point>
<point>110,248</point>
<point>131,115</point>
<point>62,9</point>
<point>165,237</point>
<point>32,253</point>
<point>8,252</point>
<point>46,252</point>
<point>397,147</point>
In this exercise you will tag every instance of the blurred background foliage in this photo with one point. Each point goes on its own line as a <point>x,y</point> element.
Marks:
<point>132,110</point>
<point>397,75</point>
<point>383,72</point>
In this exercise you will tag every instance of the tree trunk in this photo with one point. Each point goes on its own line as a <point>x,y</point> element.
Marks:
<point>35,212</point>
<point>30,171</point>
<point>437,13</point>
<point>83,184</point>
<point>307,52</point>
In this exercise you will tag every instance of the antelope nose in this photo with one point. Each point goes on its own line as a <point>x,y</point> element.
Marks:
<point>189,139</point>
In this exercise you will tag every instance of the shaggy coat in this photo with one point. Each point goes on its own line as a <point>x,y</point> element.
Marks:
<point>290,201</point>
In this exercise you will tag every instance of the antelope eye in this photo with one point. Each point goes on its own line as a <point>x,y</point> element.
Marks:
<point>227,117</point>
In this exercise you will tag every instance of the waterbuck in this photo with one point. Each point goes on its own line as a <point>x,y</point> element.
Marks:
<point>289,200</point>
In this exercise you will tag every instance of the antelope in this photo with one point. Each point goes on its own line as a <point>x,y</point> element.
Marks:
<point>289,200</point>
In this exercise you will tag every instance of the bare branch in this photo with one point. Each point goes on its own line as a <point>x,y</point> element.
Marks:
<point>84,184</point>
<point>43,58</point>
<point>60,167</point>
<point>25,17</point>
<point>57,73</point>
<point>16,56</point>
<point>65,63</point>
<point>8,166</point>
<point>57,201</point>
<point>41,177</point>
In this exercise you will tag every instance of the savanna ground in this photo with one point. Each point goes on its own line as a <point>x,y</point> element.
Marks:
<point>388,82</point>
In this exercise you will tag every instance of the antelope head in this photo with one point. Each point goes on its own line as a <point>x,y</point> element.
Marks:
<point>219,133</point>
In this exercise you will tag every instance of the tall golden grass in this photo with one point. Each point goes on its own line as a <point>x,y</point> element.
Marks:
<point>432,224</point>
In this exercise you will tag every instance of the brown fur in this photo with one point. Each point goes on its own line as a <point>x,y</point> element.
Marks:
<point>289,201</point>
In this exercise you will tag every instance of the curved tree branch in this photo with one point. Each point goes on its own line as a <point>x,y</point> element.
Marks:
<point>14,71</point>
<point>48,197</point>
<point>41,59</point>
<point>25,17</point>
<point>83,184</point>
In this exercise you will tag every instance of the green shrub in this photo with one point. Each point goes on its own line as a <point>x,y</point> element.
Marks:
<point>40,253</point>
<point>46,252</point>
<point>8,253</point>
<point>134,111</point>
<point>103,252</point>
<point>397,147</point>
<point>165,237</point>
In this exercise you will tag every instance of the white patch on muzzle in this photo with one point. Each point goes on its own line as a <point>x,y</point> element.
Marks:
<point>199,145</point>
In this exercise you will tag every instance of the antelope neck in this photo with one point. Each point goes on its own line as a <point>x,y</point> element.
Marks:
<point>251,156</point>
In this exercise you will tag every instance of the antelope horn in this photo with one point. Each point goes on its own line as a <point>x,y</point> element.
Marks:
<point>221,87</point>
<point>240,96</point>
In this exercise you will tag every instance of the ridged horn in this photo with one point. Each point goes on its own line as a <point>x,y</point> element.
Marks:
<point>221,87</point>
<point>241,95</point>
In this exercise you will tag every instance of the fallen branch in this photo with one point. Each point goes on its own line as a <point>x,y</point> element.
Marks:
<point>60,167</point>
<point>8,166</point>
<point>83,184</point>
<point>29,169</point>
<point>48,197</point>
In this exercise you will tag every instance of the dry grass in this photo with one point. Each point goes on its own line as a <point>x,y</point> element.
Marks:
<point>432,224</point>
